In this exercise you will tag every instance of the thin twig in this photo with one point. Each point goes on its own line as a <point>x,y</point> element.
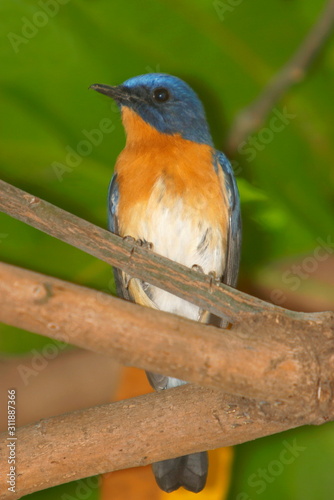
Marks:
<point>253,116</point>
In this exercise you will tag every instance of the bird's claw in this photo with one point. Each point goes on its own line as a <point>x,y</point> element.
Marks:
<point>214,280</point>
<point>129,239</point>
<point>198,269</point>
<point>146,245</point>
<point>214,277</point>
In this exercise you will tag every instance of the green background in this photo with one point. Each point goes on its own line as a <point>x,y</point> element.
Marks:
<point>228,51</point>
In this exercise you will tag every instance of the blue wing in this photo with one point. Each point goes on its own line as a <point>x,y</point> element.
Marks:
<point>226,175</point>
<point>113,200</point>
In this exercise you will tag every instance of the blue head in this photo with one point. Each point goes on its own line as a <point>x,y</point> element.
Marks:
<point>165,102</point>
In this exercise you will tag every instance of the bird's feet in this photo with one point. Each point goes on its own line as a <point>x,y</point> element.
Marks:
<point>146,245</point>
<point>213,275</point>
<point>214,279</point>
<point>198,269</point>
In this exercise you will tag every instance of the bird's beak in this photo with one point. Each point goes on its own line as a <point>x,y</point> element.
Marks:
<point>115,92</point>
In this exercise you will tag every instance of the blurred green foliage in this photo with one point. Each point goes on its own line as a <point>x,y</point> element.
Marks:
<point>53,50</point>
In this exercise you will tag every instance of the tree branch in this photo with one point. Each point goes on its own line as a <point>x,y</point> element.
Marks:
<point>283,360</point>
<point>253,116</point>
<point>138,262</point>
<point>277,360</point>
<point>137,432</point>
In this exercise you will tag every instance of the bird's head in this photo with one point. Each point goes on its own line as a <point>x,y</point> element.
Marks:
<point>164,102</point>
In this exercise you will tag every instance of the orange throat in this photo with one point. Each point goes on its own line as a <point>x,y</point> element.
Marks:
<point>181,168</point>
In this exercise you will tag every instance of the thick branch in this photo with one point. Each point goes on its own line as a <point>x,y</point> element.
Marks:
<point>252,117</point>
<point>138,262</point>
<point>136,432</point>
<point>283,357</point>
<point>273,361</point>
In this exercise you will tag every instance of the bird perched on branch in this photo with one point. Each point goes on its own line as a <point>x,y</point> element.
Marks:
<point>171,188</point>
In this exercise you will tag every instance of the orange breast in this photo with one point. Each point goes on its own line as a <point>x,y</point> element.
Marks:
<point>184,167</point>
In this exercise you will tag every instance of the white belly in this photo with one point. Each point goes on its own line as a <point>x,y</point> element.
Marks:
<point>182,234</point>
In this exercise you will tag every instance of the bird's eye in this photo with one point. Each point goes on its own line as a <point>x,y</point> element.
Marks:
<point>161,94</point>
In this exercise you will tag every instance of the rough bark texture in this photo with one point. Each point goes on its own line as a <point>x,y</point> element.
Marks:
<point>283,360</point>
<point>135,432</point>
<point>275,359</point>
<point>137,261</point>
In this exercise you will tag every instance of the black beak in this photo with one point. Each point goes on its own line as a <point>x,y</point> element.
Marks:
<point>115,92</point>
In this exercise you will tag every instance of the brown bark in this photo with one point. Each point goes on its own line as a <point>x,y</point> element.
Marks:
<point>281,359</point>
<point>137,261</point>
<point>135,432</point>
<point>270,360</point>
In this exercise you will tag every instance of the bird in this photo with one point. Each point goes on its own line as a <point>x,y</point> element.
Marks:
<point>172,190</point>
